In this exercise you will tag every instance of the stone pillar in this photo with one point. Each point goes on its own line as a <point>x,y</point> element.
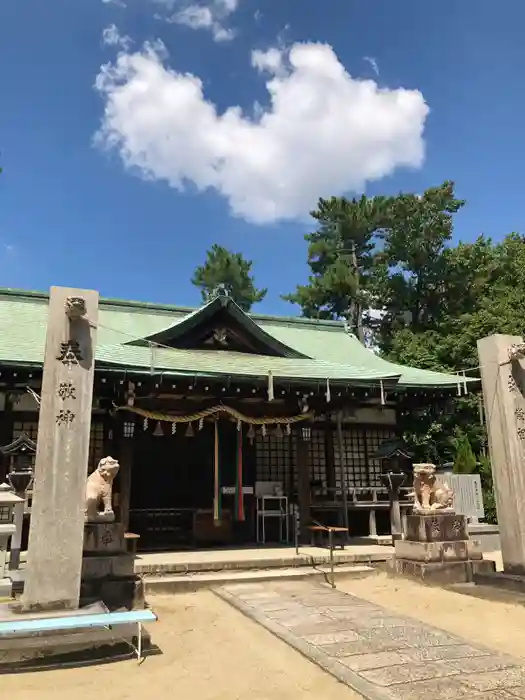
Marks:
<point>16,539</point>
<point>57,519</point>
<point>504,405</point>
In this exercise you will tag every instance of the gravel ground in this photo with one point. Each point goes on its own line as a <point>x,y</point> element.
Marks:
<point>210,652</point>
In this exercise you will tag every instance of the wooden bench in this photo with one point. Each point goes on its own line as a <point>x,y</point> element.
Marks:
<point>131,540</point>
<point>74,622</point>
<point>337,536</point>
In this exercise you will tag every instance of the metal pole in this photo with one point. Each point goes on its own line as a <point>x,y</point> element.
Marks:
<point>296,528</point>
<point>342,468</point>
<point>331,545</point>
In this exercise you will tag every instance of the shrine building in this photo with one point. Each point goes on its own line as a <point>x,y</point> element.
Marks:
<point>229,427</point>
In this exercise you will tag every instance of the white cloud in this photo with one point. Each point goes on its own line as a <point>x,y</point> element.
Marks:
<point>118,3</point>
<point>112,37</point>
<point>323,132</point>
<point>373,63</point>
<point>210,16</point>
<point>271,60</point>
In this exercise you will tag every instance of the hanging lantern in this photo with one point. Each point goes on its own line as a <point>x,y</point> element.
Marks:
<point>201,423</point>
<point>189,430</point>
<point>145,424</point>
<point>158,432</point>
<point>278,432</point>
<point>173,428</point>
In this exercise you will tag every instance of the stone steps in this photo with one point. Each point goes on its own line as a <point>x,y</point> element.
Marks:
<point>194,581</point>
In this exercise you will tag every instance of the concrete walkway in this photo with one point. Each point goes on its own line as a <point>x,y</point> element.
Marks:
<point>379,655</point>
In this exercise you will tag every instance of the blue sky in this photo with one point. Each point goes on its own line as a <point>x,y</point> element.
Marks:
<point>108,214</point>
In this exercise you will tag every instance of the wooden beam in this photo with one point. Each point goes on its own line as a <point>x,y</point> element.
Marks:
<point>303,487</point>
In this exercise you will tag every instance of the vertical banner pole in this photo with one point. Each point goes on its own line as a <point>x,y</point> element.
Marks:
<point>239,485</point>
<point>216,484</point>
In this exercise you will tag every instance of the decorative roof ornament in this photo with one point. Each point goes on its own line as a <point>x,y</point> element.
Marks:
<point>220,291</point>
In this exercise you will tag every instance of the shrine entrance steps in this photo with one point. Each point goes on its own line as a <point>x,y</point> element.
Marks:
<point>380,655</point>
<point>193,581</point>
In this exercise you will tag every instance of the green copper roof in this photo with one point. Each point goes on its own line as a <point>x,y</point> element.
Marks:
<point>327,350</point>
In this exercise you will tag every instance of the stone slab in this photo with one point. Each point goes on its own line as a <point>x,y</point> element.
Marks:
<point>508,582</point>
<point>444,573</point>
<point>444,527</point>
<point>388,660</point>
<point>54,559</point>
<point>457,550</point>
<point>116,566</point>
<point>104,538</point>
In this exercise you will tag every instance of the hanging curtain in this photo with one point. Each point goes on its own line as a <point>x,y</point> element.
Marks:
<point>239,496</point>
<point>216,480</point>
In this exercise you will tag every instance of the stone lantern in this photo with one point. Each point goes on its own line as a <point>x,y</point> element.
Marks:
<point>8,502</point>
<point>396,463</point>
<point>21,453</point>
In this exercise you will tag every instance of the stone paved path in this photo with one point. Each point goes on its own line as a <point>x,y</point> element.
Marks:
<point>378,654</point>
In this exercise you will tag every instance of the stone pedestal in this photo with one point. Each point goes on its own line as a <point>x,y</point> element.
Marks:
<point>437,548</point>
<point>108,570</point>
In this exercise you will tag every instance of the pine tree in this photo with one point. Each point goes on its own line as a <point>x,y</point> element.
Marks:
<point>231,271</point>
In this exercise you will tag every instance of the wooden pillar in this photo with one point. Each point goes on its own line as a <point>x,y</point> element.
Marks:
<point>303,488</point>
<point>6,433</point>
<point>125,458</point>
<point>342,467</point>
<point>329,457</point>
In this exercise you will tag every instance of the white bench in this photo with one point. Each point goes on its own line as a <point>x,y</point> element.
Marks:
<point>74,622</point>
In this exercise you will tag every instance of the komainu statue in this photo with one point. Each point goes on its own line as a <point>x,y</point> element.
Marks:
<point>429,495</point>
<point>75,307</point>
<point>99,489</point>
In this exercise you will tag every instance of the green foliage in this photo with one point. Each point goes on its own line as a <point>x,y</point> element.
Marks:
<point>341,259</point>
<point>437,299</point>
<point>232,271</point>
<point>464,459</point>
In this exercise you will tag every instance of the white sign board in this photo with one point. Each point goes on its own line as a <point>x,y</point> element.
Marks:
<point>468,496</point>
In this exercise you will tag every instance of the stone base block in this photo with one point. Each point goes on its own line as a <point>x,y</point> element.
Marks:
<point>74,648</point>
<point>115,593</point>
<point>114,566</point>
<point>442,572</point>
<point>503,580</point>
<point>458,550</point>
<point>436,527</point>
<point>104,538</point>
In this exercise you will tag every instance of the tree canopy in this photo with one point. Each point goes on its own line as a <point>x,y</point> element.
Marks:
<point>231,271</point>
<point>390,266</point>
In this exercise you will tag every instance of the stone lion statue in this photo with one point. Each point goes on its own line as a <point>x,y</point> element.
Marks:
<point>75,307</point>
<point>99,489</point>
<point>428,495</point>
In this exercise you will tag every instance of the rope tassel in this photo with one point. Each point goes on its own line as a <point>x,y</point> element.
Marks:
<point>270,386</point>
